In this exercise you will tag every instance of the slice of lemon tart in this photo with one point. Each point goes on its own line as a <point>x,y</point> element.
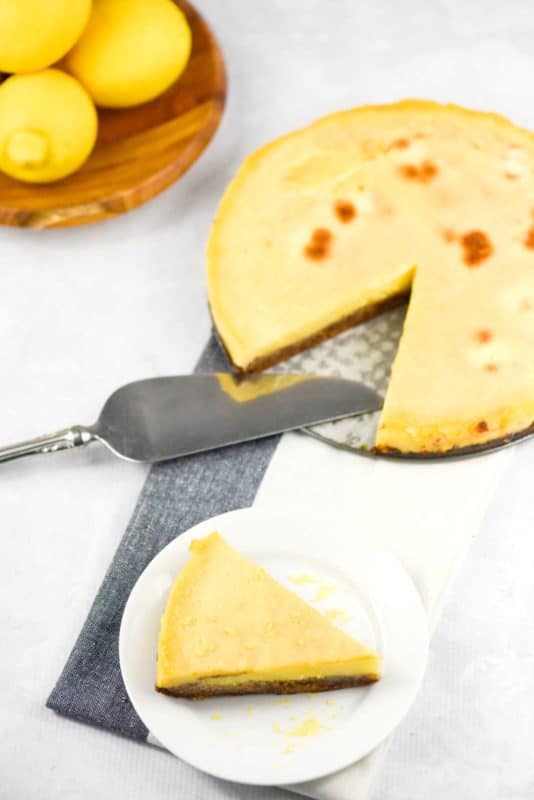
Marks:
<point>229,628</point>
<point>334,223</point>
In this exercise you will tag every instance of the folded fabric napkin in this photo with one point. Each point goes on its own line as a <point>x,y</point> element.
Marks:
<point>425,513</point>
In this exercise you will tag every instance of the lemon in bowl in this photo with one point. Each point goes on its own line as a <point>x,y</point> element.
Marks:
<point>48,126</point>
<point>131,51</point>
<point>37,33</point>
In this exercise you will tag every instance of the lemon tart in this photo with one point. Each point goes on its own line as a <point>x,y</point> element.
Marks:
<point>330,225</point>
<point>229,628</point>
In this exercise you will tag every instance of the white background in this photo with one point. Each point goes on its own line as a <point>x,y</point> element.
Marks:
<point>84,310</point>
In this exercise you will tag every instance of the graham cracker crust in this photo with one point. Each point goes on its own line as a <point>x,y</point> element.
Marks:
<point>195,690</point>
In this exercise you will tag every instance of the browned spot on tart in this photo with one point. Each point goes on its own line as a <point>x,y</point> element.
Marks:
<point>423,173</point>
<point>491,367</point>
<point>482,426</point>
<point>319,245</point>
<point>409,171</point>
<point>401,144</point>
<point>344,210</point>
<point>315,251</point>
<point>449,235</point>
<point>477,247</point>
<point>526,305</point>
<point>321,236</point>
<point>511,176</point>
<point>483,335</point>
<point>428,170</point>
<point>529,238</point>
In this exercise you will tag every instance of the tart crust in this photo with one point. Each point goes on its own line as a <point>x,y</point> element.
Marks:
<point>198,690</point>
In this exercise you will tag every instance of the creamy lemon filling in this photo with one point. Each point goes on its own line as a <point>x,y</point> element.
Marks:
<point>367,666</point>
<point>248,346</point>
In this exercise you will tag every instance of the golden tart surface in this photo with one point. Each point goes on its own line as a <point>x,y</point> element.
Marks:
<point>326,226</point>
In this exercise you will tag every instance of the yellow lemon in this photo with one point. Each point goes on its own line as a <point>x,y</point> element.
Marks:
<point>131,50</point>
<point>36,33</point>
<point>48,126</point>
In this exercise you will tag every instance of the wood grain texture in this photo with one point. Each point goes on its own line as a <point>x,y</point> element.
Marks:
<point>139,152</point>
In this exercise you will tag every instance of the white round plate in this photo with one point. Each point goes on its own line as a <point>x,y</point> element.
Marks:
<point>276,740</point>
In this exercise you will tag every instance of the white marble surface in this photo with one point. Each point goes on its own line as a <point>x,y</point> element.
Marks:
<point>84,310</point>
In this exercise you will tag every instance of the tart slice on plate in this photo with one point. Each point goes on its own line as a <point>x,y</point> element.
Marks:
<point>229,628</point>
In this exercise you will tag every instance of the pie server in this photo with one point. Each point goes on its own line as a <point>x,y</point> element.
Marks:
<point>163,418</point>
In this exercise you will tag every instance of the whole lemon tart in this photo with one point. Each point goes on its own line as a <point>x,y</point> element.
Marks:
<point>335,223</point>
<point>229,628</point>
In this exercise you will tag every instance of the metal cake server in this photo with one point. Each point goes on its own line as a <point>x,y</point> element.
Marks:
<point>163,418</point>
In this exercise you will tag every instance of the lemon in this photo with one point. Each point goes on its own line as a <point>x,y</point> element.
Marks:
<point>36,33</point>
<point>131,50</point>
<point>48,126</point>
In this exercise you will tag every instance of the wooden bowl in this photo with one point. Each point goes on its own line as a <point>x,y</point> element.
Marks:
<point>139,152</point>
